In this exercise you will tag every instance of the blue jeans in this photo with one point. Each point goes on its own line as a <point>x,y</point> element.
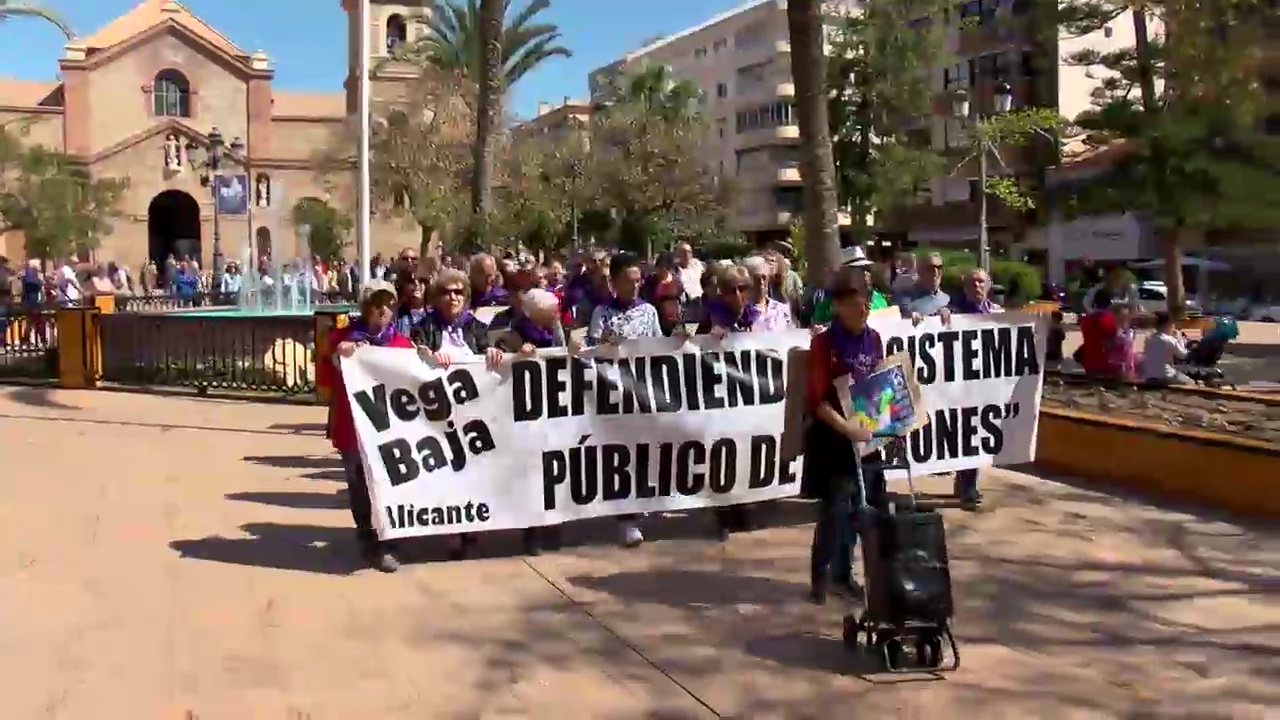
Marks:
<point>836,533</point>
<point>966,484</point>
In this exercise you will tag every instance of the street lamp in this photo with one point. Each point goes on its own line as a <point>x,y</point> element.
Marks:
<point>1002,94</point>
<point>212,165</point>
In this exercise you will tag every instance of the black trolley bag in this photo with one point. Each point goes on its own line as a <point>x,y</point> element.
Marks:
<point>907,577</point>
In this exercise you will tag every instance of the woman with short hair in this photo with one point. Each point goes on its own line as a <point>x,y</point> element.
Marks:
<point>537,328</point>
<point>373,326</point>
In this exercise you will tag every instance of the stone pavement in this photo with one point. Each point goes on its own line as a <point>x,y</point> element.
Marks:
<point>185,558</point>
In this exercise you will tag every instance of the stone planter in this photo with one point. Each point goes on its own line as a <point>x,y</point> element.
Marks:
<point>1183,465</point>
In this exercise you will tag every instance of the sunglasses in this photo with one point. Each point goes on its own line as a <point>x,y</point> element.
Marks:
<point>453,291</point>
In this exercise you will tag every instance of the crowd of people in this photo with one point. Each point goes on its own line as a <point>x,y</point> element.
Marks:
<point>602,297</point>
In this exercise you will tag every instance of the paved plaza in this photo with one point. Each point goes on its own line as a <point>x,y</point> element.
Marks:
<point>191,558</point>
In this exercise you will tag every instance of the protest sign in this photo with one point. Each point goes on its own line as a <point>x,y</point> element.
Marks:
<point>980,380</point>
<point>650,426</point>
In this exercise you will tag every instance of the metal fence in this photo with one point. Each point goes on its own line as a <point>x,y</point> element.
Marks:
<point>28,343</point>
<point>272,353</point>
<point>166,302</point>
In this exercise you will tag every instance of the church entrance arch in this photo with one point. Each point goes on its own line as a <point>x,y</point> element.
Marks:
<point>173,227</point>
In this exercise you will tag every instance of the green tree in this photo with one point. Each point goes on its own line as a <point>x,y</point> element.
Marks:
<point>805,25</point>
<point>880,73</point>
<point>643,161</point>
<point>1186,108</point>
<point>420,154</point>
<point>12,9</point>
<point>57,205</point>
<point>543,185</point>
<point>329,227</point>
<point>452,41</point>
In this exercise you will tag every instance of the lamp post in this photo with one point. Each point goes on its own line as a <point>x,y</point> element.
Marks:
<point>364,179</point>
<point>960,107</point>
<point>212,166</point>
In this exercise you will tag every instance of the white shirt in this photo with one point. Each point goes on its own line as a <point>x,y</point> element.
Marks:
<point>68,286</point>
<point>454,346</point>
<point>691,278</point>
<point>1159,355</point>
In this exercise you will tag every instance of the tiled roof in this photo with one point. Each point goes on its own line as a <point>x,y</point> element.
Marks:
<point>25,93</point>
<point>147,15</point>
<point>308,104</point>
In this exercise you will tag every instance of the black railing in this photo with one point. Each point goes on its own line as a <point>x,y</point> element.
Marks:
<point>162,303</point>
<point>235,352</point>
<point>28,342</point>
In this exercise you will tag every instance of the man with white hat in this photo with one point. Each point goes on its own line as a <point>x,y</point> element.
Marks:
<point>853,257</point>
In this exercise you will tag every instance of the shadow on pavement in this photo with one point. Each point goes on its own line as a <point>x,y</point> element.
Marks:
<point>40,397</point>
<point>297,462</point>
<point>307,548</point>
<point>300,428</point>
<point>693,588</point>
<point>300,500</point>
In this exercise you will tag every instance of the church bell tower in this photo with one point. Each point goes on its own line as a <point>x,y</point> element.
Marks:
<point>390,25</point>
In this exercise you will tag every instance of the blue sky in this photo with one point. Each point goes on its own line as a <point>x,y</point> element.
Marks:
<point>306,38</point>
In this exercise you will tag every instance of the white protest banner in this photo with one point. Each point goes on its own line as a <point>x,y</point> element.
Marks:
<point>980,382</point>
<point>651,426</point>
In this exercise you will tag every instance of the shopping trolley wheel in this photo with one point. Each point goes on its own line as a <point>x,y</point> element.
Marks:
<point>852,631</point>
<point>890,648</point>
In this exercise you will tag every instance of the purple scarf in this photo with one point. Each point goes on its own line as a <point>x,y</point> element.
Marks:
<point>965,306</point>
<point>463,318</point>
<point>723,316</point>
<point>534,334</point>
<point>494,295</point>
<point>358,332</point>
<point>860,352</point>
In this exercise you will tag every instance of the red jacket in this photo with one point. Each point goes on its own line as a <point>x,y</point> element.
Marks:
<point>342,429</point>
<point>1097,332</point>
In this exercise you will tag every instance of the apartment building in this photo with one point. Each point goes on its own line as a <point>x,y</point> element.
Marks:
<point>555,121</point>
<point>741,60</point>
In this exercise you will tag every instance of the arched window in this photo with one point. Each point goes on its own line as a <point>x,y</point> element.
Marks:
<point>171,94</point>
<point>397,32</point>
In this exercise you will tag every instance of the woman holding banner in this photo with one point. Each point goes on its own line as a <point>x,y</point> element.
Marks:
<point>624,317</point>
<point>374,326</point>
<point>537,328</point>
<point>743,305</point>
<point>450,332</point>
<point>848,351</point>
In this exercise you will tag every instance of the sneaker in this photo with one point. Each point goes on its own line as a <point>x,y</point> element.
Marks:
<point>631,535</point>
<point>382,559</point>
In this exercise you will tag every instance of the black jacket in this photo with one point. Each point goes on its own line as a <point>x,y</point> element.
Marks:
<point>428,334</point>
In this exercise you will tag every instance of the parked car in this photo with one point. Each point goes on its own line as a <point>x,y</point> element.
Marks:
<point>1153,296</point>
<point>1264,313</point>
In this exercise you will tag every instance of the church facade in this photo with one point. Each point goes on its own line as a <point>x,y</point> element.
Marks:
<point>140,99</point>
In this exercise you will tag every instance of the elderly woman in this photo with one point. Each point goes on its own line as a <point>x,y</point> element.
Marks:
<point>487,283</point>
<point>411,308</point>
<point>449,332</point>
<point>374,326</point>
<point>743,305</point>
<point>537,328</point>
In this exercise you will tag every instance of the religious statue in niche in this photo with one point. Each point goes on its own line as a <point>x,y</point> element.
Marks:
<point>262,191</point>
<point>172,153</point>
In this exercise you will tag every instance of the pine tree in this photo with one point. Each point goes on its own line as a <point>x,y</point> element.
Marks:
<point>1186,106</point>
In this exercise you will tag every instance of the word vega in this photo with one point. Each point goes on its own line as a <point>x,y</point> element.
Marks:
<point>432,401</point>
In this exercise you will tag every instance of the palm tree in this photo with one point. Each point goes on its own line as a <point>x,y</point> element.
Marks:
<point>452,40</point>
<point>490,83</point>
<point>817,166</point>
<point>11,9</point>
<point>661,95</point>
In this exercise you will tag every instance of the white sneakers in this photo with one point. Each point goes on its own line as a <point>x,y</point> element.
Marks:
<point>631,535</point>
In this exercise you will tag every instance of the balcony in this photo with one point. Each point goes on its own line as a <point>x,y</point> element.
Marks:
<point>785,90</point>
<point>788,175</point>
<point>781,135</point>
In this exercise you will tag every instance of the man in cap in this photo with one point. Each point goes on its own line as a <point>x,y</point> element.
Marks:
<point>850,257</point>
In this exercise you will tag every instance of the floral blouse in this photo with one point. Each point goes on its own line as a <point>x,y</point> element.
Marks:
<point>775,316</point>
<point>638,321</point>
